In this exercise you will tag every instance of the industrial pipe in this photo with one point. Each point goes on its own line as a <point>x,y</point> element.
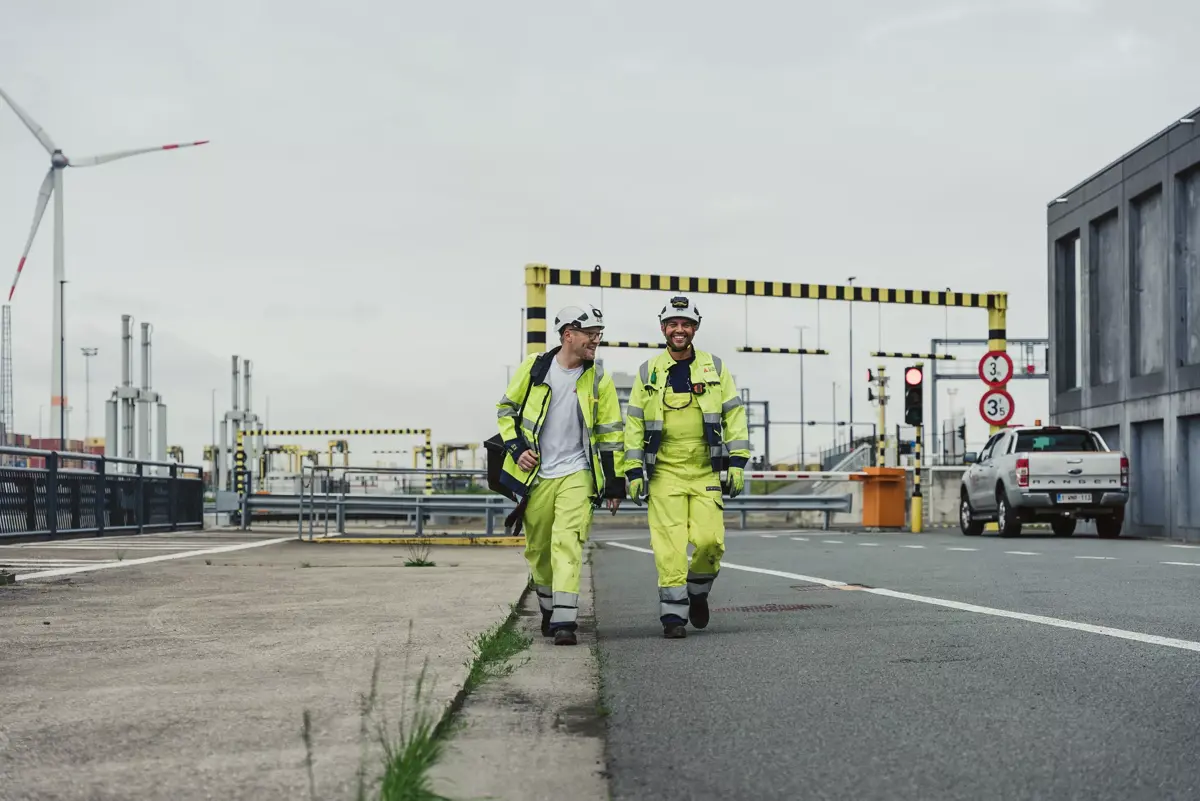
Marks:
<point>110,427</point>
<point>143,403</point>
<point>162,437</point>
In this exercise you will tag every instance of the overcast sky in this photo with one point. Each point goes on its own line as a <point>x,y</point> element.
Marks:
<point>379,175</point>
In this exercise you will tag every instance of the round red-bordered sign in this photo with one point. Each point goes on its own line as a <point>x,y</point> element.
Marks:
<point>996,368</point>
<point>996,407</point>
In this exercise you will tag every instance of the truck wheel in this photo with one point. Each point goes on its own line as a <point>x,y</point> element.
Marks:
<point>1063,526</point>
<point>1108,527</point>
<point>1006,519</point>
<point>966,518</point>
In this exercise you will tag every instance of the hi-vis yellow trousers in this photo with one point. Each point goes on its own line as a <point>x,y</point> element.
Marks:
<point>685,506</point>
<point>557,521</point>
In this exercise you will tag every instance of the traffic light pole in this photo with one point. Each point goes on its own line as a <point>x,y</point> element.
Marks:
<point>917,499</point>
<point>914,415</point>
<point>881,439</point>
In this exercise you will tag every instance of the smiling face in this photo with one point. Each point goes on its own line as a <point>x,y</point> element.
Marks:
<point>679,332</point>
<point>581,342</point>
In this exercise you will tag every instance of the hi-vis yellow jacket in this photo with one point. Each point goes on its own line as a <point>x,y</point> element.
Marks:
<point>599,410</point>
<point>724,415</point>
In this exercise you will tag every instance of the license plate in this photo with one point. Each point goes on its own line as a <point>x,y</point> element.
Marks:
<point>1074,498</point>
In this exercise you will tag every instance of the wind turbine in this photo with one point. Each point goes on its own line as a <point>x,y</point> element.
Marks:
<point>53,185</point>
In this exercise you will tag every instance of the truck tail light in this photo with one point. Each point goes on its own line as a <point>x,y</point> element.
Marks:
<point>1124,471</point>
<point>1022,472</point>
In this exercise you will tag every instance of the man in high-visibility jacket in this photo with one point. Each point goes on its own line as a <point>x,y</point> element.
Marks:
<point>560,422</point>
<point>685,424</point>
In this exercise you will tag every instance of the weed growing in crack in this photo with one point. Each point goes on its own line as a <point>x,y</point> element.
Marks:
<point>493,651</point>
<point>411,748</point>
<point>408,753</point>
<point>418,554</point>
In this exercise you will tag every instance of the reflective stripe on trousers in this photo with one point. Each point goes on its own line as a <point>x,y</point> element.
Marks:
<point>557,522</point>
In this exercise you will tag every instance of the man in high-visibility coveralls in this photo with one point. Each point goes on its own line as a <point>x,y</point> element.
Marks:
<point>560,423</point>
<point>685,424</point>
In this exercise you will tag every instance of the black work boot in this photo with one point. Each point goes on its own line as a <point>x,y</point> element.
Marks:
<point>698,610</point>
<point>674,631</point>
<point>564,637</point>
<point>546,622</point>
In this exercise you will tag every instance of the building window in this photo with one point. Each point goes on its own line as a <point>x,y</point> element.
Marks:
<point>1189,264</point>
<point>1147,283</point>
<point>1105,297</point>
<point>1069,313</point>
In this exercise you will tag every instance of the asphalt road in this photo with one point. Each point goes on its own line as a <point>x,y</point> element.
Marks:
<point>926,684</point>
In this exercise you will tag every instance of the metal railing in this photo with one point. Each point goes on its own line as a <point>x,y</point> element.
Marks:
<point>103,495</point>
<point>318,511</point>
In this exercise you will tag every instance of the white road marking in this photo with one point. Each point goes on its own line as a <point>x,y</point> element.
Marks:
<point>834,542</point>
<point>123,542</point>
<point>912,546</point>
<point>44,560</point>
<point>800,539</point>
<point>1108,631</point>
<point>962,549</point>
<point>768,536</point>
<point>1095,557</point>
<point>1183,546</point>
<point>145,560</point>
<point>141,546</point>
<point>869,544</point>
<point>1023,553</point>
<point>1183,564</point>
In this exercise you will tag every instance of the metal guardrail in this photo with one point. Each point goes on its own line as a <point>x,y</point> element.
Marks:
<point>416,508</point>
<point>55,500</point>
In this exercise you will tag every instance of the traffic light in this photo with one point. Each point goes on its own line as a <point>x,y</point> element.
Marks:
<point>914,395</point>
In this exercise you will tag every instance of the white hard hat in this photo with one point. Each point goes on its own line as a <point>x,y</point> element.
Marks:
<point>679,306</point>
<point>579,316</point>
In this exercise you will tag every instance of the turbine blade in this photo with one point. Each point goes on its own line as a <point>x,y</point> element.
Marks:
<point>34,128</point>
<point>43,199</point>
<point>92,161</point>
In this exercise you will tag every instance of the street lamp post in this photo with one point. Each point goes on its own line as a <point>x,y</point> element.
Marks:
<point>88,353</point>
<point>801,328</point>
<point>833,413</point>
<point>851,393</point>
<point>213,448</point>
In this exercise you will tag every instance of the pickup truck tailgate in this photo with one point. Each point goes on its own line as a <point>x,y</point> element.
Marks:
<point>1068,471</point>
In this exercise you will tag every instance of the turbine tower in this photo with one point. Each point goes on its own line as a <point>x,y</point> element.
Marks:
<point>53,185</point>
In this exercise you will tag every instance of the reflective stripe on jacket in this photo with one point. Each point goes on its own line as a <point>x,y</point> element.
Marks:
<point>599,410</point>
<point>724,415</point>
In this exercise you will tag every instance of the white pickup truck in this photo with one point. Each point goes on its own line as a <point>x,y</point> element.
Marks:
<point>1058,474</point>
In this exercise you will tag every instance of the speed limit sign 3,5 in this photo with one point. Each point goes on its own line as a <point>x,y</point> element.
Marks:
<point>996,407</point>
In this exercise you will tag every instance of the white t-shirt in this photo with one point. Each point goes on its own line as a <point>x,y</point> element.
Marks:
<point>561,439</point>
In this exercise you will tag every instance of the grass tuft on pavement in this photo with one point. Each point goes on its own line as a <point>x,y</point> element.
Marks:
<point>493,651</point>
<point>414,744</point>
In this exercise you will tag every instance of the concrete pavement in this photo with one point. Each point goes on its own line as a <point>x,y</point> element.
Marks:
<point>965,668</point>
<point>537,735</point>
<point>186,677</point>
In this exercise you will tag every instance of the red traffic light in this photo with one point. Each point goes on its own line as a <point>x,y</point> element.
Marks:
<point>912,376</point>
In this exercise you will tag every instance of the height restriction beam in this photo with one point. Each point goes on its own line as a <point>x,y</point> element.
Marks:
<point>628,344</point>
<point>540,276</point>
<point>893,355</point>
<point>239,456</point>
<point>792,351</point>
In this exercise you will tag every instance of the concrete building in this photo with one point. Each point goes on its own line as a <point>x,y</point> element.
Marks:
<point>1124,298</point>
